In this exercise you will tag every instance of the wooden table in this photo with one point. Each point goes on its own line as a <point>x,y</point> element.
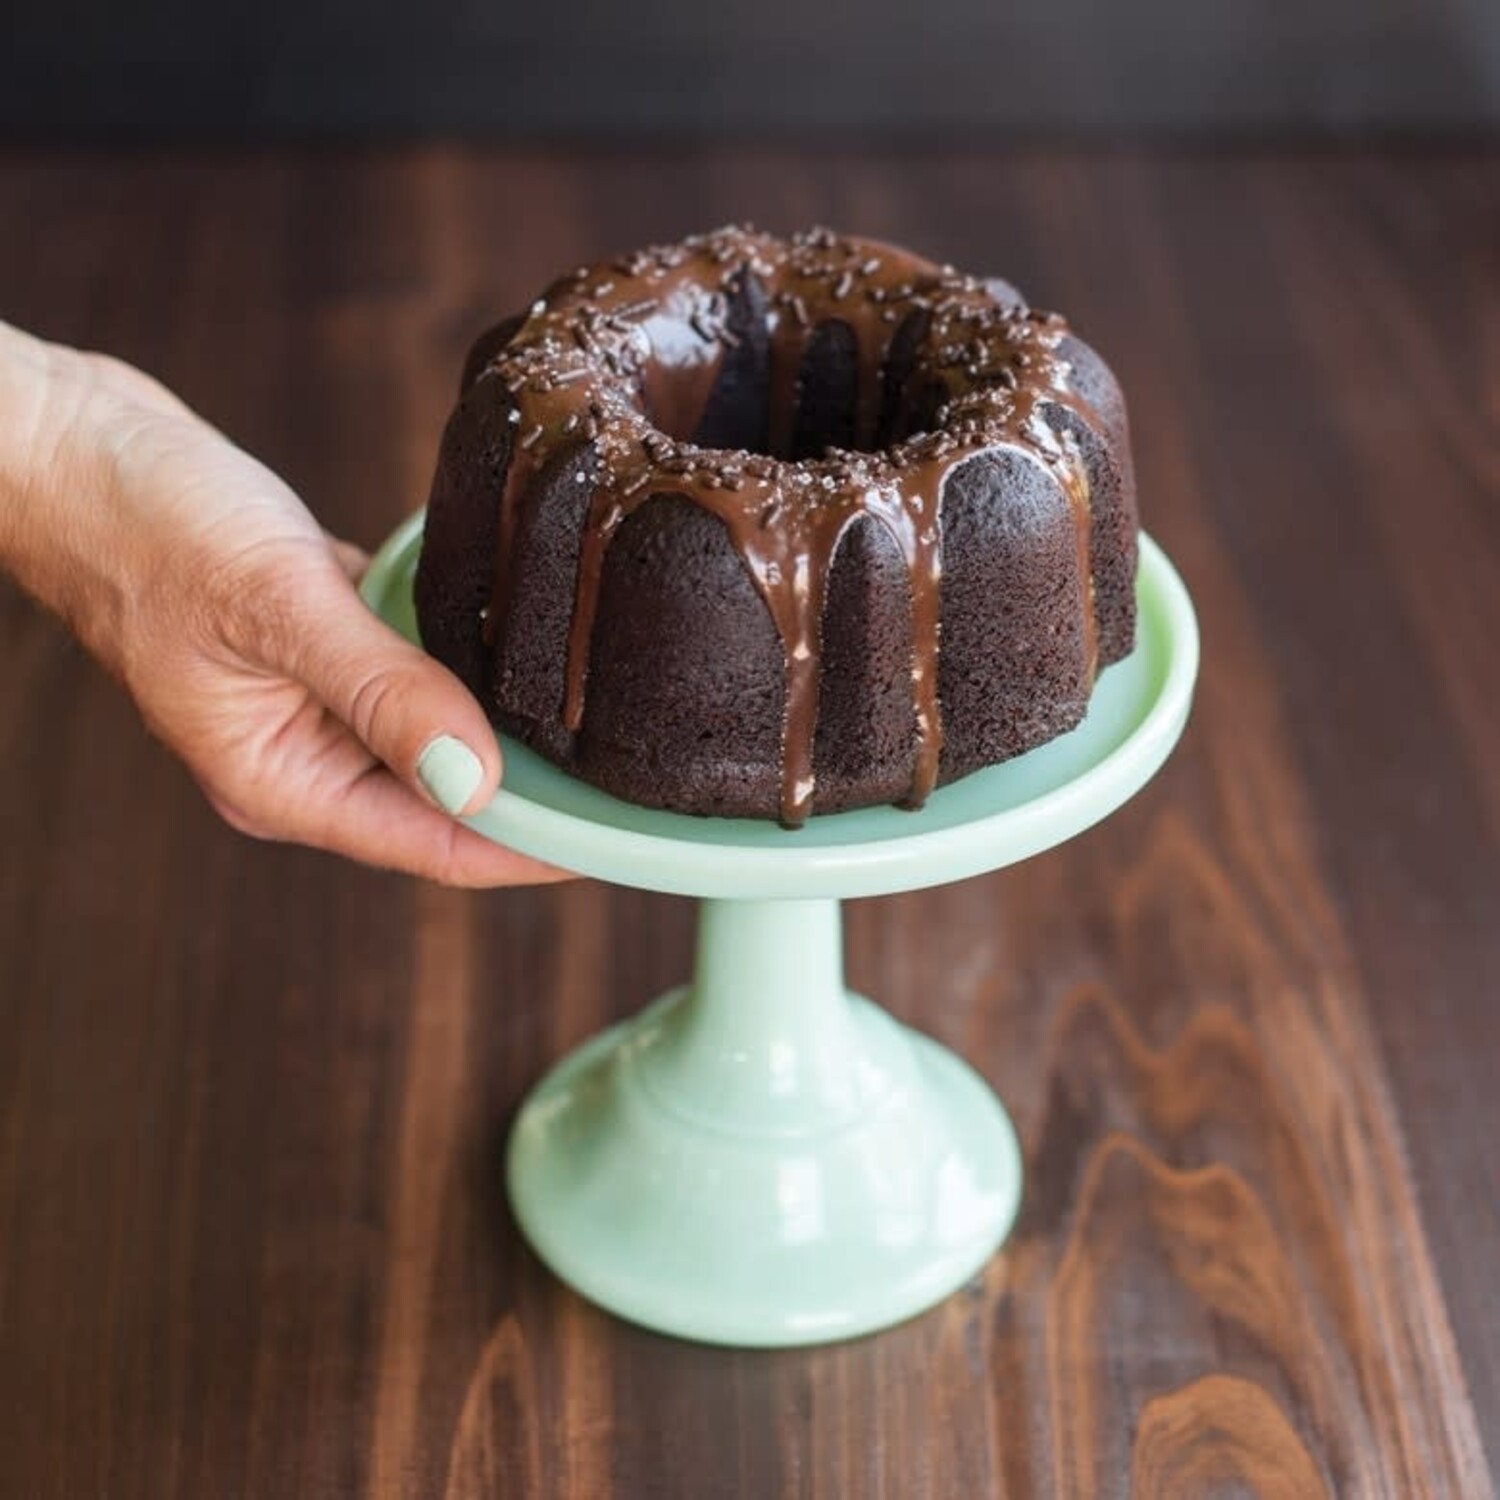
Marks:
<point>252,1240</point>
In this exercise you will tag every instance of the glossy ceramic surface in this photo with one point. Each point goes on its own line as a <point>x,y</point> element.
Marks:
<point>761,1158</point>
<point>992,818</point>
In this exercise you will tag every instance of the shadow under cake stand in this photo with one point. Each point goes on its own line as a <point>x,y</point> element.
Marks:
<point>762,1157</point>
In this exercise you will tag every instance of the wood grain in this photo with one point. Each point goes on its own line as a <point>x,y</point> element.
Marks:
<point>252,1102</point>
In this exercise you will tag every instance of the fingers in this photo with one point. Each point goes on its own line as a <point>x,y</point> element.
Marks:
<point>378,821</point>
<point>411,713</point>
<point>381,822</point>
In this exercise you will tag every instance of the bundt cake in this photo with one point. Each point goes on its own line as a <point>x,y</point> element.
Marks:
<point>761,527</point>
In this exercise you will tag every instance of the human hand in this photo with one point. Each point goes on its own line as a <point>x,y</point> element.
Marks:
<point>203,583</point>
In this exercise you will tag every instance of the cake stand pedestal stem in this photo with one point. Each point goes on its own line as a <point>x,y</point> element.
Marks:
<point>764,1040</point>
<point>761,1157</point>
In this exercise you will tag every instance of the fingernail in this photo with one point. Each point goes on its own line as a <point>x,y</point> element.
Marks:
<point>449,771</point>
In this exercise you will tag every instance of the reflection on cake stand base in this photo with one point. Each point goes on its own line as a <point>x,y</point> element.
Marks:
<point>761,1157</point>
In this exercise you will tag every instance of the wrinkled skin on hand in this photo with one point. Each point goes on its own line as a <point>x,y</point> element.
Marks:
<point>204,584</point>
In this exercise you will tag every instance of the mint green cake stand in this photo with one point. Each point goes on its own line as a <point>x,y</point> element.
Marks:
<point>761,1157</point>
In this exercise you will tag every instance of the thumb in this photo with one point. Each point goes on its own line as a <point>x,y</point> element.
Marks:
<point>408,709</point>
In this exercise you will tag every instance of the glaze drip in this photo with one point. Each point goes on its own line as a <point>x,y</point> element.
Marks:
<point>615,360</point>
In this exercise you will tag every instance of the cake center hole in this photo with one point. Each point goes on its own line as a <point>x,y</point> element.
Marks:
<point>737,396</point>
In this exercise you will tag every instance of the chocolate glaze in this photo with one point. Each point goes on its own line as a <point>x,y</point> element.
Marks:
<point>615,365</point>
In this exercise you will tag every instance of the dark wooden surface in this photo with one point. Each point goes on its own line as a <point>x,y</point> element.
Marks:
<point>251,1101</point>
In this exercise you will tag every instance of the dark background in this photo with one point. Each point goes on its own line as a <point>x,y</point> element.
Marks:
<point>90,69</point>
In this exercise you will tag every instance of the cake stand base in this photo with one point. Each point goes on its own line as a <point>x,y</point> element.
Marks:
<point>762,1158</point>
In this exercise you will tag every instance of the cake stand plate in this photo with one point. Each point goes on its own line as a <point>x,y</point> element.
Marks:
<point>761,1157</point>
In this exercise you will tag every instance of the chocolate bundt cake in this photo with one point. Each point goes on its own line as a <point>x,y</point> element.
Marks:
<point>767,527</point>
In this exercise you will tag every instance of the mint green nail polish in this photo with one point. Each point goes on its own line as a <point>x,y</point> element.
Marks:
<point>450,771</point>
